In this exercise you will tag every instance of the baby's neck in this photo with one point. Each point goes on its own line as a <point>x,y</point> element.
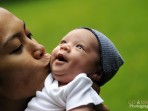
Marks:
<point>60,84</point>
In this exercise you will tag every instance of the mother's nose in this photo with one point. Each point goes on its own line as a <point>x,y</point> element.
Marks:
<point>37,50</point>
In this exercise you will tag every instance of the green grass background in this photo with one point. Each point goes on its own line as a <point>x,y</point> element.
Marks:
<point>125,22</point>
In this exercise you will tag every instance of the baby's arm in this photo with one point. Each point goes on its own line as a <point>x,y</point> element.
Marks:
<point>90,107</point>
<point>100,107</point>
<point>84,108</point>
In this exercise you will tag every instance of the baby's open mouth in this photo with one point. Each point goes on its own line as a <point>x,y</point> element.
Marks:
<point>61,57</point>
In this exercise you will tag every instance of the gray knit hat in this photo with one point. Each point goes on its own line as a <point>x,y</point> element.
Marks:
<point>110,58</point>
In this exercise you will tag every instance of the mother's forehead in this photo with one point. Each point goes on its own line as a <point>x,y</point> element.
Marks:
<point>9,24</point>
<point>4,12</point>
<point>7,17</point>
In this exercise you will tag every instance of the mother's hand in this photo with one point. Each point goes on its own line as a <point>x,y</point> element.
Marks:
<point>100,107</point>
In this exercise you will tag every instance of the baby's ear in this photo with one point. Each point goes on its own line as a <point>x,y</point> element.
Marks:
<point>95,76</point>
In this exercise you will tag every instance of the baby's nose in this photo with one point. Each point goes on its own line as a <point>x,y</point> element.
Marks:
<point>65,48</point>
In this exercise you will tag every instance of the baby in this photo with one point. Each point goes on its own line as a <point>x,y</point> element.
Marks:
<point>83,56</point>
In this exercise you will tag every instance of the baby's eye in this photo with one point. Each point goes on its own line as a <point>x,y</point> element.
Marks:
<point>80,47</point>
<point>62,42</point>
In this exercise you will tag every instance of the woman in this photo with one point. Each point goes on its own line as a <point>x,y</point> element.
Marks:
<point>24,64</point>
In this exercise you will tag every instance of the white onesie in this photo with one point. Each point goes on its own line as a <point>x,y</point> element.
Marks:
<point>53,98</point>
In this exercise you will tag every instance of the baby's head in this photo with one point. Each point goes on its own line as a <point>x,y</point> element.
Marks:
<point>87,51</point>
<point>110,58</point>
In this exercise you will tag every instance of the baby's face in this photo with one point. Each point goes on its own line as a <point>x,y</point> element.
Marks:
<point>76,53</point>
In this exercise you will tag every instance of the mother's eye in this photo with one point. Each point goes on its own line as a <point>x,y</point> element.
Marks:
<point>17,50</point>
<point>29,35</point>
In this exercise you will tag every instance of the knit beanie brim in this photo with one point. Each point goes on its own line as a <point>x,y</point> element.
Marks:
<point>110,58</point>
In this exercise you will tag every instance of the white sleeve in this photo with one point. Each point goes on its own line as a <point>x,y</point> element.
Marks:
<point>81,93</point>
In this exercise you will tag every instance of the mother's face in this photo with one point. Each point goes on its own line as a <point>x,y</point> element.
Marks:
<point>23,62</point>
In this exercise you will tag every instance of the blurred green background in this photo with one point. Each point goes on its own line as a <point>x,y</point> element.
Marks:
<point>125,22</point>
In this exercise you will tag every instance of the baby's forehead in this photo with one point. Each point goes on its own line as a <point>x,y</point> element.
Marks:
<point>80,34</point>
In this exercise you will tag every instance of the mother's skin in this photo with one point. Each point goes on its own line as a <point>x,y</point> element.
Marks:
<point>23,63</point>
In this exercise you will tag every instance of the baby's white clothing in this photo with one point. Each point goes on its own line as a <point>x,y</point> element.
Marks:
<point>54,98</point>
